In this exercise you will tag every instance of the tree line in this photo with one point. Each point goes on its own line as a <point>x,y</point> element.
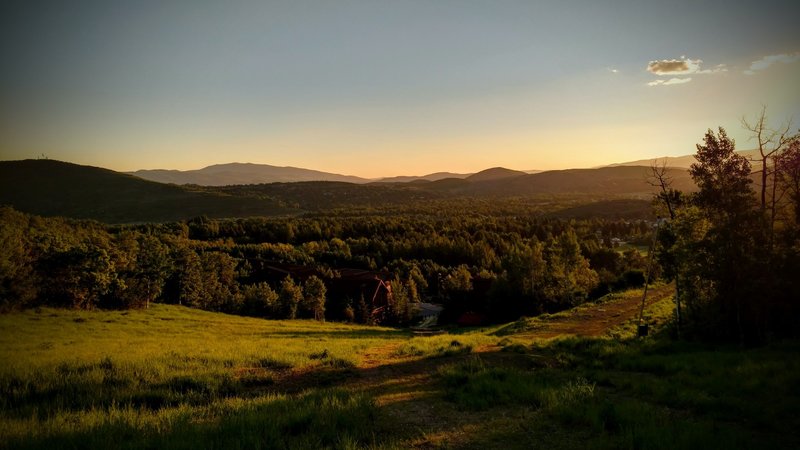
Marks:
<point>733,247</point>
<point>502,266</point>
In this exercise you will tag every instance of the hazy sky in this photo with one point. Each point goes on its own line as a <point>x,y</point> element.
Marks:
<point>382,88</point>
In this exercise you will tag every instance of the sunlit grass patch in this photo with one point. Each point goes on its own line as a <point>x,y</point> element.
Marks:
<point>322,419</point>
<point>154,377</point>
<point>443,345</point>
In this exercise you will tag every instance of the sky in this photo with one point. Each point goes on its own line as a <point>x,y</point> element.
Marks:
<point>383,88</point>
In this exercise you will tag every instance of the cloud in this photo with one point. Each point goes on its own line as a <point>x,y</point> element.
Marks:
<point>717,69</point>
<point>769,60</point>
<point>670,82</point>
<point>683,66</point>
<point>671,66</point>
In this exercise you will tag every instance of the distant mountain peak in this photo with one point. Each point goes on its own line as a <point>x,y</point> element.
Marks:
<point>436,176</point>
<point>495,173</point>
<point>236,173</point>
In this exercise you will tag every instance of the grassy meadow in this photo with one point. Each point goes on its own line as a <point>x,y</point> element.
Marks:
<point>174,377</point>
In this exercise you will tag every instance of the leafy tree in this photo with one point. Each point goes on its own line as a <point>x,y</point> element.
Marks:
<point>459,281</point>
<point>77,277</point>
<point>569,279</point>
<point>289,297</point>
<point>152,268</point>
<point>17,281</point>
<point>723,179</point>
<point>259,300</point>
<point>186,282</point>
<point>404,305</point>
<point>726,198</point>
<point>220,286</point>
<point>314,293</point>
<point>713,247</point>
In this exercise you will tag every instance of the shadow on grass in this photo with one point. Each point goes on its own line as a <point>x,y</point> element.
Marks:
<point>344,334</point>
<point>322,419</point>
<point>576,393</point>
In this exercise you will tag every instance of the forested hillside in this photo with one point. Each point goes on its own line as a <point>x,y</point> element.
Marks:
<point>55,188</point>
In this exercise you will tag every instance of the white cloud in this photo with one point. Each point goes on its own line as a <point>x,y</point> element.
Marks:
<point>719,68</point>
<point>769,60</point>
<point>670,82</point>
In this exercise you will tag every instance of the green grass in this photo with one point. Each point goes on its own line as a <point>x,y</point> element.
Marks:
<point>173,377</point>
<point>444,345</point>
<point>160,375</point>
<point>640,394</point>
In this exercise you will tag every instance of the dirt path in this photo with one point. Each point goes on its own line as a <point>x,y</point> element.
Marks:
<point>411,403</point>
<point>410,400</point>
<point>383,372</point>
<point>591,320</point>
<point>597,320</point>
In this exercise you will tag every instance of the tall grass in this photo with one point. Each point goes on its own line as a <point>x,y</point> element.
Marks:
<point>643,394</point>
<point>322,419</point>
<point>177,377</point>
<point>173,377</point>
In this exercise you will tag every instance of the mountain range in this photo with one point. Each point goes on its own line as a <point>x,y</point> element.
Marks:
<point>242,173</point>
<point>55,188</point>
<point>681,162</point>
<point>249,173</point>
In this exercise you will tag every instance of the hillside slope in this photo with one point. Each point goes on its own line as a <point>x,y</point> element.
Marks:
<point>630,181</point>
<point>678,162</point>
<point>242,173</point>
<point>495,173</point>
<point>55,188</point>
<point>436,176</point>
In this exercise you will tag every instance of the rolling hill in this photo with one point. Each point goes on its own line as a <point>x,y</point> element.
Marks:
<point>495,173</point>
<point>622,180</point>
<point>436,176</point>
<point>55,188</point>
<point>679,162</point>
<point>242,173</point>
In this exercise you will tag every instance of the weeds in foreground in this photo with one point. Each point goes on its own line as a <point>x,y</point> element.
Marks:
<point>640,394</point>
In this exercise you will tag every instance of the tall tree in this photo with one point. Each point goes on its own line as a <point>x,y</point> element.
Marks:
<point>726,197</point>
<point>314,297</point>
<point>186,282</point>
<point>152,264</point>
<point>289,297</point>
